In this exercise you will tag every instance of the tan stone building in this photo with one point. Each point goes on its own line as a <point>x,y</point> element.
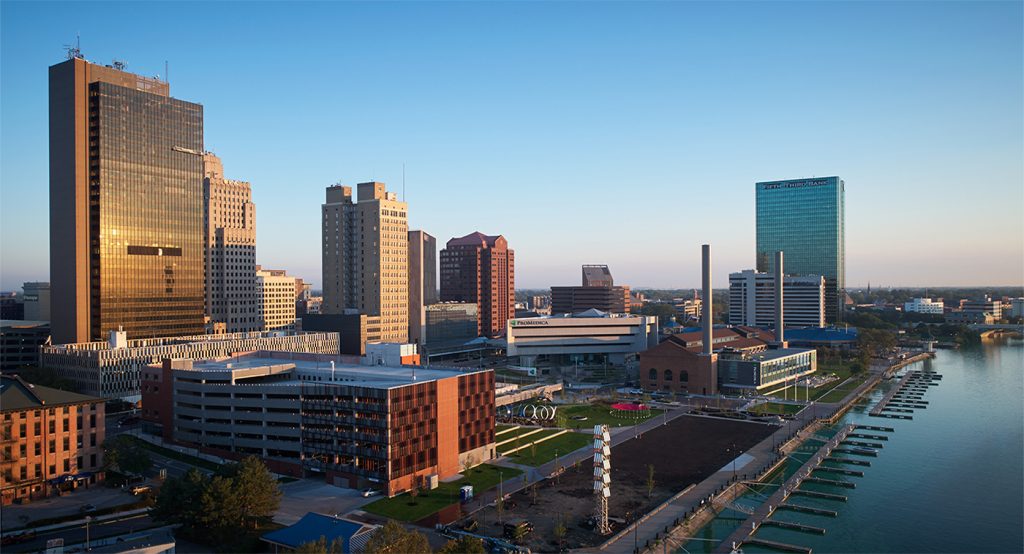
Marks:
<point>50,440</point>
<point>276,291</point>
<point>366,256</point>
<point>232,302</point>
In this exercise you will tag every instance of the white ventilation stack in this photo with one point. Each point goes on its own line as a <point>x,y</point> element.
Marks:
<point>706,306</point>
<point>780,324</point>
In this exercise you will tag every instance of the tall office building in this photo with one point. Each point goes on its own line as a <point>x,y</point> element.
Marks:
<point>126,205</point>
<point>752,299</point>
<point>481,269</point>
<point>366,256</point>
<point>230,232</point>
<point>422,282</point>
<point>805,219</point>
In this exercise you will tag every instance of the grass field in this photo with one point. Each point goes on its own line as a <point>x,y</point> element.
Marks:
<point>600,414</point>
<point>547,450</point>
<point>840,392</point>
<point>404,508</point>
<point>841,370</point>
<point>776,408</point>
<point>536,435</point>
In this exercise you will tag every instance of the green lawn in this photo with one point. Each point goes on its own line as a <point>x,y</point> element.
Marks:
<point>600,414</point>
<point>840,392</point>
<point>524,440</point>
<point>839,369</point>
<point>776,408</point>
<point>404,508</point>
<point>546,451</point>
<point>175,455</point>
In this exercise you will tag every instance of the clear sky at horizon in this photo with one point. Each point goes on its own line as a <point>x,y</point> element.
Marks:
<point>617,133</point>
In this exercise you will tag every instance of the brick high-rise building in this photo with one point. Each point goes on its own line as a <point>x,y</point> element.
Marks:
<point>480,268</point>
<point>230,216</point>
<point>126,205</point>
<point>366,256</point>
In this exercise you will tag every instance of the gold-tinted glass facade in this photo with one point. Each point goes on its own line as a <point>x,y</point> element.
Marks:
<point>145,213</point>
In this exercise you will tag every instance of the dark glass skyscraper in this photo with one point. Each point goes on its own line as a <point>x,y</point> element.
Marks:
<point>126,205</point>
<point>805,219</point>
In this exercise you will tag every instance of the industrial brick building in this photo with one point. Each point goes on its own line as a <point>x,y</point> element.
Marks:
<point>305,414</point>
<point>50,440</point>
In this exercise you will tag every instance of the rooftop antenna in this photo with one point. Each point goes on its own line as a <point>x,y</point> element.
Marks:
<point>120,65</point>
<point>75,51</point>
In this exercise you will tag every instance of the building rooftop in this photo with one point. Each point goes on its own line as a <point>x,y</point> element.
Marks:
<point>302,369</point>
<point>16,394</point>
<point>23,324</point>
<point>474,239</point>
<point>314,526</point>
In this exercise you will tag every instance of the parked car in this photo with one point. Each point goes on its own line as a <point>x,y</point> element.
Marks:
<point>141,489</point>
<point>88,508</point>
<point>370,492</point>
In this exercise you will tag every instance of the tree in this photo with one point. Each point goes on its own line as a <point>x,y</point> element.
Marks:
<point>256,489</point>
<point>320,546</point>
<point>123,454</point>
<point>392,538</point>
<point>221,510</point>
<point>469,463</point>
<point>560,531</point>
<point>463,545</point>
<point>650,480</point>
<point>415,490</point>
<point>179,500</point>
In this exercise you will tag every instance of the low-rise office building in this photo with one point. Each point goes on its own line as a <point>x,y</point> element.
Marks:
<point>598,292</point>
<point>450,323</point>
<point>586,336</point>
<point>924,306</point>
<point>20,342</point>
<point>51,440</point>
<point>988,306</point>
<point>111,369</point>
<point>356,425</point>
<point>37,301</point>
<point>752,373</point>
<point>355,330</point>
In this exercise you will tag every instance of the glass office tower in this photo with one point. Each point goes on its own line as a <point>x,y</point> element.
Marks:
<point>126,205</point>
<point>805,219</point>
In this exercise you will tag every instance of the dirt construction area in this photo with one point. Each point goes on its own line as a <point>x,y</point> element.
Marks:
<point>684,452</point>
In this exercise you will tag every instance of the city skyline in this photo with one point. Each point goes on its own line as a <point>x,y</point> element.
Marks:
<point>922,122</point>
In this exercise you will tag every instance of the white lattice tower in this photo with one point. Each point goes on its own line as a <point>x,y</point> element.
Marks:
<point>602,477</point>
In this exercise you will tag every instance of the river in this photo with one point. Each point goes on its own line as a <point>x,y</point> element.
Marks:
<point>950,480</point>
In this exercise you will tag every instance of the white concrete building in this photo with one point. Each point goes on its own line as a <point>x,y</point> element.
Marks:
<point>277,300</point>
<point>110,369</point>
<point>752,299</point>
<point>586,335</point>
<point>924,306</point>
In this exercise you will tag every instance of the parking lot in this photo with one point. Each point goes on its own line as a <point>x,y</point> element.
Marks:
<point>314,495</point>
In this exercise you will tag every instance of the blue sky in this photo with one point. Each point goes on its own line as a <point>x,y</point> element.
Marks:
<point>618,133</point>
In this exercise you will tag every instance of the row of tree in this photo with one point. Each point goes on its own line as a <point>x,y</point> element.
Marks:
<point>216,509</point>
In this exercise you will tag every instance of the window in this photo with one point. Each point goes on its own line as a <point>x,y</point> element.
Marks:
<point>92,439</point>
<point>684,377</point>
<point>653,374</point>
<point>668,374</point>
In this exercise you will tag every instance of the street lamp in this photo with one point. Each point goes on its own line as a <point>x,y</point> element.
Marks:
<point>87,541</point>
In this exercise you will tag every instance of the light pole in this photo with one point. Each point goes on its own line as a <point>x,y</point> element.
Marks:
<point>87,541</point>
